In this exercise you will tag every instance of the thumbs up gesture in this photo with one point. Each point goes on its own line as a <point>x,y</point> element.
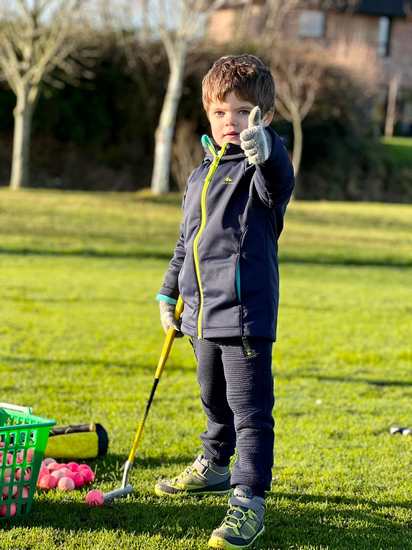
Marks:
<point>255,141</point>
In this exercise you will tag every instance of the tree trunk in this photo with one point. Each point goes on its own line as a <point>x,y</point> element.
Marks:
<point>165,129</point>
<point>391,106</point>
<point>297,140</point>
<point>20,168</point>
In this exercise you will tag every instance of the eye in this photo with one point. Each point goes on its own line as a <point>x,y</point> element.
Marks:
<point>244,112</point>
<point>219,114</point>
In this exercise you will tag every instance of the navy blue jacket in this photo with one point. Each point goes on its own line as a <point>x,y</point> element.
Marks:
<point>235,255</point>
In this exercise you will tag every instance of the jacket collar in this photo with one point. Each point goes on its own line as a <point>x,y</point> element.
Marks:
<point>233,152</point>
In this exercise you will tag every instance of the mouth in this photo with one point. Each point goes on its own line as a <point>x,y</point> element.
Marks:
<point>231,135</point>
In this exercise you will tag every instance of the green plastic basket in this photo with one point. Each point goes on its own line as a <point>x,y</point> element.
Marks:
<point>23,440</point>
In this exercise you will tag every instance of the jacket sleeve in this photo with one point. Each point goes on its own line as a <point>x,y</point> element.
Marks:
<point>170,287</point>
<point>169,291</point>
<point>274,179</point>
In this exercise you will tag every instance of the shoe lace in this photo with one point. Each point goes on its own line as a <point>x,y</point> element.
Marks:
<point>190,471</point>
<point>236,517</point>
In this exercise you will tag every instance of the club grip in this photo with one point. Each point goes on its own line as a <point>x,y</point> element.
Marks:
<point>179,308</point>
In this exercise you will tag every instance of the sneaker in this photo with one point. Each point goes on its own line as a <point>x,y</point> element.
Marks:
<point>202,477</point>
<point>243,522</point>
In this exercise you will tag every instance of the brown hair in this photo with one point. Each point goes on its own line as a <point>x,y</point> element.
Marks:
<point>246,75</point>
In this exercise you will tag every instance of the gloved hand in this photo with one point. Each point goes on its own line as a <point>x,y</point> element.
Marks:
<point>167,318</point>
<point>255,140</point>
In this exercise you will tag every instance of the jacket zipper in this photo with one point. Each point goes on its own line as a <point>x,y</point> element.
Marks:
<point>203,218</point>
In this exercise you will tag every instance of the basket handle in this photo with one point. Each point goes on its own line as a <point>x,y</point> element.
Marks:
<point>24,410</point>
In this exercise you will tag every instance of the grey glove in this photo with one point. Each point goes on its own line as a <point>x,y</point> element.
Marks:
<point>167,317</point>
<point>255,140</point>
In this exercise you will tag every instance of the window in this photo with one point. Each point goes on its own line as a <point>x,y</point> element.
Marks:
<point>384,36</point>
<point>311,24</point>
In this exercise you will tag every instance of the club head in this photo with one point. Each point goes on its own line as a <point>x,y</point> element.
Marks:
<point>118,493</point>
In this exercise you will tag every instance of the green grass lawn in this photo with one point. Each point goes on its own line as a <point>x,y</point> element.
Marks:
<point>80,339</point>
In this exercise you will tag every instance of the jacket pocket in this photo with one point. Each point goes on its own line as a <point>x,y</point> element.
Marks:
<point>187,280</point>
<point>221,306</point>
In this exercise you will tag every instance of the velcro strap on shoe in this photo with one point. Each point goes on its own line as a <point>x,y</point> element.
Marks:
<point>257,504</point>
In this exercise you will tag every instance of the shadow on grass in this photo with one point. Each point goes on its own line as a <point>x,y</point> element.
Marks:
<point>110,467</point>
<point>350,380</point>
<point>74,362</point>
<point>333,527</point>
<point>347,261</point>
<point>89,253</point>
<point>339,499</point>
<point>344,261</point>
<point>91,299</point>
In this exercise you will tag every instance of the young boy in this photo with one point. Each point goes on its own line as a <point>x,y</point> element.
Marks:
<point>225,268</point>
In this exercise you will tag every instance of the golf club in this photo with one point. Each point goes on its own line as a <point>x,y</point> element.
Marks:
<point>126,488</point>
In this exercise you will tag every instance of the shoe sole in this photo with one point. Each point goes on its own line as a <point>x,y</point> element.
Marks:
<point>222,544</point>
<point>181,493</point>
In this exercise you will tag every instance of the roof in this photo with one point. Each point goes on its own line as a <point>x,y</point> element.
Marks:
<point>389,8</point>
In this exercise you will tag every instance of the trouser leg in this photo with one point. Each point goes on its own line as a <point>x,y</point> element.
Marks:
<point>249,390</point>
<point>219,437</point>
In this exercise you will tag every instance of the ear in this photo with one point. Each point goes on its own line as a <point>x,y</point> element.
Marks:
<point>267,118</point>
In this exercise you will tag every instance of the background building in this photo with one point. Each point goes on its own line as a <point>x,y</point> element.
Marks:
<point>385,26</point>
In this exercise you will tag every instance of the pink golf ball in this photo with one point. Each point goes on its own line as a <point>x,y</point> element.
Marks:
<point>20,473</point>
<point>43,481</point>
<point>52,466</point>
<point>95,498</point>
<point>65,484</point>
<point>12,510</point>
<point>58,474</point>
<point>87,473</point>
<point>9,490</point>
<point>78,479</point>
<point>43,471</point>
<point>48,482</point>
<point>65,470</point>
<point>48,461</point>
<point>30,455</point>
<point>74,467</point>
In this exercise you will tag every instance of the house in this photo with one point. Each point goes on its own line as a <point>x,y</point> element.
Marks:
<point>384,25</point>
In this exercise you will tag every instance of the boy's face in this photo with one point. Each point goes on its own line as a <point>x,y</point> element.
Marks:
<point>228,118</point>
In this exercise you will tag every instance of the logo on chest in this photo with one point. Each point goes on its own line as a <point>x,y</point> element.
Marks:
<point>228,180</point>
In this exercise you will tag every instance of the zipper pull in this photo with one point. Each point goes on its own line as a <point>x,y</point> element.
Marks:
<point>246,347</point>
<point>207,144</point>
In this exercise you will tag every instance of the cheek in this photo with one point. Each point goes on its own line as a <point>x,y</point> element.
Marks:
<point>243,123</point>
<point>216,126</point>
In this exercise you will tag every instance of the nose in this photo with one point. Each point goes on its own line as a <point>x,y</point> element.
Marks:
<point>230,119</point>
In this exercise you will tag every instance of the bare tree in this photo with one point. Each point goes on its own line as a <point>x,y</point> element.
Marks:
<point>178,24</point>
<point>297,75</point>
<point>264,19</point>
<point>36,37</point>
<point>393,91</point>
<point>188,20</point>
